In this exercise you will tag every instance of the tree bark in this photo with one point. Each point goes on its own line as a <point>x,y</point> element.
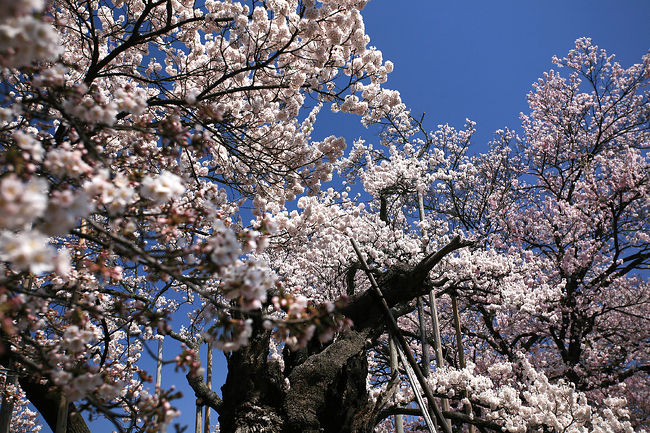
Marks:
<point>7,409</point>
<point>328,390</point>
<point>252,393</point>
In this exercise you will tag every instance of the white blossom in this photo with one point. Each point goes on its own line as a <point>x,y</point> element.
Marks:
<point>162,188</point>
<point>27,251</point>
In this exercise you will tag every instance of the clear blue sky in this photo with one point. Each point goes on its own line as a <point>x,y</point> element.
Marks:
<point>476,59</point>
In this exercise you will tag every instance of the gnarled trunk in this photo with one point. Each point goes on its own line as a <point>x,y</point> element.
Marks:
<point>326,390</point>
<point>252,394</point>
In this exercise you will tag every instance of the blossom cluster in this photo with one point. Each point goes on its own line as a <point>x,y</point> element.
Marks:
<point>24,38</point>
<point>23,238</point>
<point>23,418</point>
<point>127,165</point>
<point>529,402</point>
<point>138,136</point>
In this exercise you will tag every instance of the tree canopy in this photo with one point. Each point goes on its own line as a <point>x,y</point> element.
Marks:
<point>159,180</point>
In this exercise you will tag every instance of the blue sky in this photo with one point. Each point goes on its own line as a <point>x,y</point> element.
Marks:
<point>476,59</point>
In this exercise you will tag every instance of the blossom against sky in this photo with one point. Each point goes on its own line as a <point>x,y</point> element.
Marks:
<point>478,60</point>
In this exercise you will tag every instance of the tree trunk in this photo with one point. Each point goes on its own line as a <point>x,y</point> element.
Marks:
<point>326,392</point>
<point>252,394</point>
<point>327,384</point>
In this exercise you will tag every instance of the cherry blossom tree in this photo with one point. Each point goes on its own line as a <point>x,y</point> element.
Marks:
<point>553,293</point>
<point>132,134</point>
<point>136,137</point>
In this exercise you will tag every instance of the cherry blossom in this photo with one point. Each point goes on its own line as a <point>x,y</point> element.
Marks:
<point>160,182</point>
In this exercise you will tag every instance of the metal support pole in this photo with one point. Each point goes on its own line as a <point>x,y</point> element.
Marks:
<point>159,363</point>
<point>423,339</point>
<point>208,381</point>
<point>198,423</point>
<point>159,359</point>
<point>198,427</point>
<point>460,350</point>
<point>399,419</point>
<point>418,395</point>
<point>403,345</point>
<point>437,342</point>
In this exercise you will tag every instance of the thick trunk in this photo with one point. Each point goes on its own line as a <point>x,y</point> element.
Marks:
<point>329,389</point>
<point>252,394</point>
<point>326,392</point>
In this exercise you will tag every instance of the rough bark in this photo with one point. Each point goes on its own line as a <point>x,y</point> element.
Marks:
<point>252,393</point>
<point>399,284</point>
<point>329,388</point>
